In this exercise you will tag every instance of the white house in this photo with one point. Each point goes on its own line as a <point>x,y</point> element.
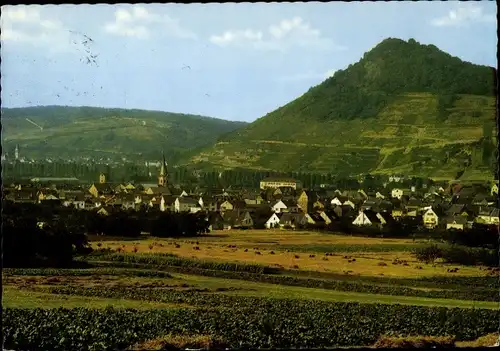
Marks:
<point>494,189</point>
<point>397,193</point>
<point>273,221</point>
<point>226,206</point>
<point>78,204</point>
<point>362,219</point>
<point>430,219</point>
<point>186,204</point>
<point>279,207</point>
<point>369,218</point>
<point>336,202</point>
<point>456,222</point>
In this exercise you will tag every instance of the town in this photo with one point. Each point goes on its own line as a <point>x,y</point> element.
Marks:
<point>282,202</point>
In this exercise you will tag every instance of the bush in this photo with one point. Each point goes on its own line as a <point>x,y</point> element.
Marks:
<point>428,254</point>
<point>464,255</point>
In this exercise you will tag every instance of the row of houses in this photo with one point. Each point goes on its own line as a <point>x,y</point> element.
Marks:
<point>282,206</point>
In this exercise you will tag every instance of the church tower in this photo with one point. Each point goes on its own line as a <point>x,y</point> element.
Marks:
<point>163,177</point>
<point>102,178</point>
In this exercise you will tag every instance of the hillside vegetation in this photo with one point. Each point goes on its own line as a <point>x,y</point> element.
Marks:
<point>404,107</point>
<point>84,131</point>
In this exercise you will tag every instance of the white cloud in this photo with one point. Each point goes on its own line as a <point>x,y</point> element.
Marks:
<point>282,36</point>
<point>32,26</point>
<point>25,24</point>
<point>463,15</point>
<point>139,23</point>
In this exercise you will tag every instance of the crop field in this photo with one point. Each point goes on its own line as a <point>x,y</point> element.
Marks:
<point>314,290</point>
<point>293,250</point>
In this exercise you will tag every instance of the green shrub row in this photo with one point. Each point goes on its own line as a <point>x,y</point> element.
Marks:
<point>465,293</point>
<point>439,282</point>
<point>341,248</point>
<point>468,256</point>
<point>269,324</point>
<point>184,262</point>
<point>85,272</point>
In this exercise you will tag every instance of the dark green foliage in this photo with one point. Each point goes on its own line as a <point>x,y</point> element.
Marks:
<point>256,322</point>
<point>168,224</point>
<point>428,254</point>
<point>31,241</point>
<point>468,256</point>
<point>394,66</point>
<point>164,260</point>
<point>480,235</point>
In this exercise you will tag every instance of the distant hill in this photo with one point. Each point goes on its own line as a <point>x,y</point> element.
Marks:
<point>92,131</point>
<point>403,108</point>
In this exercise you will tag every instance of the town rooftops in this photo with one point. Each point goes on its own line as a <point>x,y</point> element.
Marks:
<point>279,179</point>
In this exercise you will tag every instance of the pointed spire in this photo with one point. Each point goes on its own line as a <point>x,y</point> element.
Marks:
<point>163,170</point>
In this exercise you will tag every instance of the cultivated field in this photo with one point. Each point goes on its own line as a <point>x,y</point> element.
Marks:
<point>301,250</point>
<point>256,286</point>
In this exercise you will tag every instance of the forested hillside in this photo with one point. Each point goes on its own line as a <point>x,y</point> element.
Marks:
<point>88,131</point>
<point>403,108</point>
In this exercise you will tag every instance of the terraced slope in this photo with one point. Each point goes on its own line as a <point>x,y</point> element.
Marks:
<point>419,124</point>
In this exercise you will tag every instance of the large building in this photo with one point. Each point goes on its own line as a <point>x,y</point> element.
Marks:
<point>272,182</point>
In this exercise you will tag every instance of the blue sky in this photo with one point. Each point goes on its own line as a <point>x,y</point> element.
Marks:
<point>231,61</point>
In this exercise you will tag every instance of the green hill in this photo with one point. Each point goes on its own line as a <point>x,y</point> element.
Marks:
<point>403,108</point>
<point>90,131</point>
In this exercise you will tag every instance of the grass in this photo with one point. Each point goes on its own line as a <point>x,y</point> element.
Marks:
<point>13,297</point>
<point>280,291</point>
<point>367,252</point>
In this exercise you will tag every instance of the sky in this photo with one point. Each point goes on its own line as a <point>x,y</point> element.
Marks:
<point>231,61</point>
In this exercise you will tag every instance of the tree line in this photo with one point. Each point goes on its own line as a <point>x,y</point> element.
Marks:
<point>42,235</point>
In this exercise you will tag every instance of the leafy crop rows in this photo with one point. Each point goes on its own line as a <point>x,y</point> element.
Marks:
<point>184,262</point>
<point>466,292</point>
<point>272,323</point>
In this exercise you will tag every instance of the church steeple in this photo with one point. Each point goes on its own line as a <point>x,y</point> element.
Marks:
<point>163,177</point>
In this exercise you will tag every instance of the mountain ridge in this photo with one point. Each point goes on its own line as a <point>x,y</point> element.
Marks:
<point>68,131</point>
<point>395,90</point>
